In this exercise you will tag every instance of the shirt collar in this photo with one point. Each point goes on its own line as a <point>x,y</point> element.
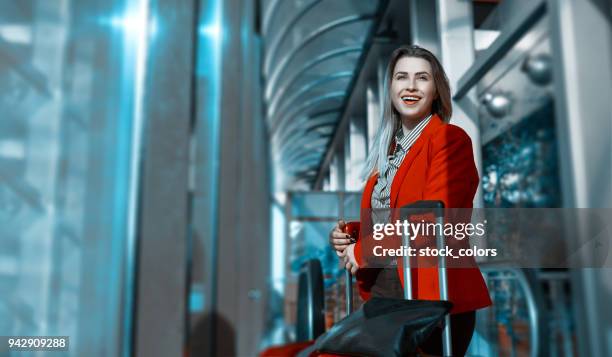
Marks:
<point>405,141</point>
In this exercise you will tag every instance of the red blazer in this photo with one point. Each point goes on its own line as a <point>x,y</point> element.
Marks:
<point>439,166</point>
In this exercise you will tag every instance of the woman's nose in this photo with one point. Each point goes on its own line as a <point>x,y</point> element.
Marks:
<point>411,85</point>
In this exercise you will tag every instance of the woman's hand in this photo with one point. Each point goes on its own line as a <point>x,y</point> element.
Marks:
<point>348,259</point>
<point>338,239</point>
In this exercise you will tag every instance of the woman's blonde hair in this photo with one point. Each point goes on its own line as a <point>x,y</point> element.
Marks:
<point>390,121</point>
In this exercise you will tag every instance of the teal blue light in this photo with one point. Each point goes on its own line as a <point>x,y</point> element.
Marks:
<point>134,28</point>
<point>208,74</point>
<point>278,261</point>
<point>196,301</point>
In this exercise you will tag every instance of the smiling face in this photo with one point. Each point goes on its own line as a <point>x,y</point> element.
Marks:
<point>413,89</point>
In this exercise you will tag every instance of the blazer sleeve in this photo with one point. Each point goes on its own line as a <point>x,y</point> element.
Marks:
<point>357,252</point>
<point>452,176</point>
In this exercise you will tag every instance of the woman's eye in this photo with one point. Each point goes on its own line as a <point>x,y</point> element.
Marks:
<point>424,78</point>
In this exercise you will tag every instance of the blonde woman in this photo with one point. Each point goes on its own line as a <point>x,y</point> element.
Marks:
<point>417,155</point>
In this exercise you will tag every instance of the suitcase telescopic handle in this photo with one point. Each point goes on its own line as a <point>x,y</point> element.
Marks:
<point>415,208</point>
<point>421,207</point>
<point>437,208</point>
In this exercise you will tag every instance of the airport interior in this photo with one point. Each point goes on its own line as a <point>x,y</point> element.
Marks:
<point>170,170</point>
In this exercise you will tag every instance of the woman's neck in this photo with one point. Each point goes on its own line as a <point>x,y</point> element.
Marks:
<point>409,123</point>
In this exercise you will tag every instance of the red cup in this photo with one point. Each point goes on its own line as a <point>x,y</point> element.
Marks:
<point>352,229</point>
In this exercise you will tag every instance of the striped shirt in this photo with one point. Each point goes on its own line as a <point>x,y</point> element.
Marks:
<point>381,196</point>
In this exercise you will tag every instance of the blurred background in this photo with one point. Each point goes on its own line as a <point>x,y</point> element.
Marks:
<point>168,168</point>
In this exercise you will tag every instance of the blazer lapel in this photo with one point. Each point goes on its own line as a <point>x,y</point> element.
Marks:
<point>412,154</point>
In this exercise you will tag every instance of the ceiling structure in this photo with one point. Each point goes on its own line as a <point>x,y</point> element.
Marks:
<point>313,50</point>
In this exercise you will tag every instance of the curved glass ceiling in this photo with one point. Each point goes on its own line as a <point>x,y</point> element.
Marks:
<point>311,53</point>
